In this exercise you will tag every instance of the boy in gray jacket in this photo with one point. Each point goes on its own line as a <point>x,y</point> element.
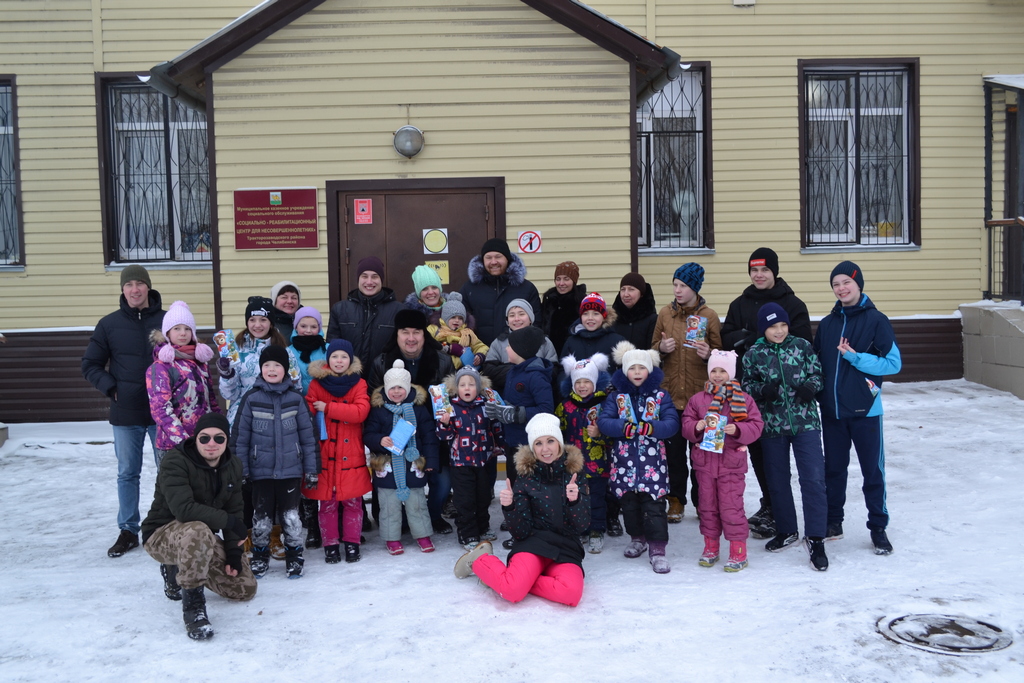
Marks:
<point>273,437</point>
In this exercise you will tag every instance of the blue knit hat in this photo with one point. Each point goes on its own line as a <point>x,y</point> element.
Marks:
<point>770,314</point>
<point>690,274</point>
<point>341,345</point>
<point>850,269</point>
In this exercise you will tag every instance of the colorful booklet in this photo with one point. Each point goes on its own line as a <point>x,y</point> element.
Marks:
<point>714,433</point>
<point>439,400</point>
<point>226,346</point>
<point>625,407</point>
<point>322,423</point>
<point>400,435</point>
<point>493,396</point>
<point>652,409</point>
<point>592,414</point>
<point>696,330</point>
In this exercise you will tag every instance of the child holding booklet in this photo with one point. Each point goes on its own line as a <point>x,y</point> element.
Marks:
<point>721,469</point>
<point>401,476</point>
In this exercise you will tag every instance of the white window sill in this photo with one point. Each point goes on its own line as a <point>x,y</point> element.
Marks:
<point>161,265</point>
<point>859,248</point>
<point>674,251</point>
<point>12,269</point>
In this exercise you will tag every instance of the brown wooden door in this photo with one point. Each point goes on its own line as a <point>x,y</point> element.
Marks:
<point>398,214</point>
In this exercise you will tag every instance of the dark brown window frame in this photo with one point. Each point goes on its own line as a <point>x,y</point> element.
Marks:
<point>913,67</point>
<point>11,80</point>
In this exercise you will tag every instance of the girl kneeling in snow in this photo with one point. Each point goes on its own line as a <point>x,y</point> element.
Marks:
<point>546,512</point>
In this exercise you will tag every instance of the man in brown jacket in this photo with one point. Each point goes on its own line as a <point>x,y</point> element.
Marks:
<point>685,333</point>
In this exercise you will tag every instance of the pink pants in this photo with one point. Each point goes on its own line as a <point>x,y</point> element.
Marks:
<point>351,517</point>
<point>528,573</point>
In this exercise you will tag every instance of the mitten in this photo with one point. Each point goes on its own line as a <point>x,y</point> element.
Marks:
<point>645,429</point>
<point>234,556</point>
<point>769,392</point>
<point>456,349</point>
<point>505,414</point>
<point>224,367</point>
<point>805,392</point>
<point>236,526</point>
<point>629,431</point>
<point>311,479</point>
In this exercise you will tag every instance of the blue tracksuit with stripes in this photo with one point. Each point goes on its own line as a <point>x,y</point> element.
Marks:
<point>851,402</point>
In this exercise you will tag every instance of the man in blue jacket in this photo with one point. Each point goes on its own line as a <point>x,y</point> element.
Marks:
<point>857,347</point>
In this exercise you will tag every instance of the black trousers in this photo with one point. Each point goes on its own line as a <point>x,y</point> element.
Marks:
<point>676,449</point>
<point>272,499</point>
<point>471,493</point>
<point>645,516</point>
<point>757,464</point>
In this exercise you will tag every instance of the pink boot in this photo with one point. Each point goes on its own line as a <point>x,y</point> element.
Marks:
<point>710,555</point>
<point>737,556</point>
<point>425,544</point>
<point>395,547</point>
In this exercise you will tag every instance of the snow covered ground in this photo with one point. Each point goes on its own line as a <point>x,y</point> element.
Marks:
<point>955,464</point>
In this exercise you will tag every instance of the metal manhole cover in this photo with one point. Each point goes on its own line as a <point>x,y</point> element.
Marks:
<point>944,634</point>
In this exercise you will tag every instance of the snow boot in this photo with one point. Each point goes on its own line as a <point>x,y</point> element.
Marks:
<point>614,526</point>
<point>126,541</point>
<point>816,548</point>
<point>507,544</point>
<point>426,545</point>
<point>488,535</point>
<point>657,556</point>
<point>781,542</point>
<point>395,547</point>
<point>193,610</point>
<point>171,588</point>
<point>762,523</point>
<point>260,562</point>
<point>293,561</point>
<point>637,546</point>
<point>675,510</point>
<point>710,555</point>
<point>835,531</point>
<point>469,542</point>
<point>310,520</point>
<point>881,542</point>
<point>464,565</point>
<point>277,550</point>
<point>441,526</point>
<point>448,510</point>
<point>737,556</point>
<point>332,554</point>
<point>351,552</point>
<point>596,543</point>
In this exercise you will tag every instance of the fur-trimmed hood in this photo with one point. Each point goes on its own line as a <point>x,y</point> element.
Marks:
<point>319,369</point>
<point>163,351</point>
<point>514,275</point>
<point>412,301</point>
<point>526,461</point>
<point>453,390</point>
<point>419,398</point>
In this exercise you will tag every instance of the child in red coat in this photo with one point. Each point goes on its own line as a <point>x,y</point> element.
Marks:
<point>721,472</point>
<point>338,397</point>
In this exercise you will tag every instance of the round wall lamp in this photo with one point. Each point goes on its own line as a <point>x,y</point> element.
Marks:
<point>408,141</point>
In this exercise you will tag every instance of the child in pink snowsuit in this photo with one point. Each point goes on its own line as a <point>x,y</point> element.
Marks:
<point>720,476</point>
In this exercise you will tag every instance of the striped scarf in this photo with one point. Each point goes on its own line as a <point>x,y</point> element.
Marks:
<point>731,393</point>
<point>403,411</point>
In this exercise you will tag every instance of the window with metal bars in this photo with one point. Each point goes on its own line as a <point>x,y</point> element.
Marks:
<point>10,218</point>
<point>157,187</point>
<point>672,167</point>
<point>858,170</point>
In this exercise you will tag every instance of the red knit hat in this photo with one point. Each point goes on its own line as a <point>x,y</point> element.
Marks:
<point>594,302</point>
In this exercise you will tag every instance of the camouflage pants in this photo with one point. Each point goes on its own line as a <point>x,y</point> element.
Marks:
<point>199,555</point>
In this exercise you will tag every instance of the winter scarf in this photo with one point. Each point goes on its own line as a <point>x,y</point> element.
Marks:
<point>403,411</point>
<point>728,393</point>
<point>306,345</point>
<point>339,385</point>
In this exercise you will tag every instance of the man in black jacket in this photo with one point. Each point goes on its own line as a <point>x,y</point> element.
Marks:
<point>496,277</point>
<point>115,362</point>
<point>739,332</point>
<point>366,318</point>
<point>198,493</point>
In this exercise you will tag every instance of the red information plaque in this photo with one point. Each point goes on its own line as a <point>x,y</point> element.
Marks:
<point>276,218</point>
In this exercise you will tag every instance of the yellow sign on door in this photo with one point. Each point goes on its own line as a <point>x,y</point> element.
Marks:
<point>442,269</point>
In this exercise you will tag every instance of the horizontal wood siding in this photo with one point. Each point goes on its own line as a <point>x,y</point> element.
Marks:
<point>753,53</point>
<point>499,90</point>
<point>55,50</point>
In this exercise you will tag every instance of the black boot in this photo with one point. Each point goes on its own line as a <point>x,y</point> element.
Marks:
<point>293,561</point>
<point>193,607</point>
<point>351,552</point>
<point>260,562</point>
<point>171,588</point>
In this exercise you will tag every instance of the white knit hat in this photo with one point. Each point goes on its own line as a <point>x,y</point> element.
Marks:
<point>543,424</point>
<point>397,376</point>
<point>628,355</point>
<point>588,368</point>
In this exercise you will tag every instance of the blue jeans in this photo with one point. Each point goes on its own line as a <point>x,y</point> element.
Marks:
<point>810,467</point>
<point>128,444</point>
<point>439,483</point>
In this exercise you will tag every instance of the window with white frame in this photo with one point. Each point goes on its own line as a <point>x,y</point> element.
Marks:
<point>10,219</point>
<point>157,188</point>
<point>858,162</point>
<point>672,166</point>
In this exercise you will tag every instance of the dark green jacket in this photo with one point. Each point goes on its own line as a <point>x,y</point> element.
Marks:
<point>787,366</point>
<point>188,489</point>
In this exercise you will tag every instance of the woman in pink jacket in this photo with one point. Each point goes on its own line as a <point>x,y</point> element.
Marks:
<point>719,457</point>
<point>178,382</point>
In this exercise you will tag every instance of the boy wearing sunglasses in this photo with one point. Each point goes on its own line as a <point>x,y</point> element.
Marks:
<point>198,493</point>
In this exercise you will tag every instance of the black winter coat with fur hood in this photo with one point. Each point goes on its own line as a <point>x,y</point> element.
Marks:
<point>541,519</point>
<point>486,296</point>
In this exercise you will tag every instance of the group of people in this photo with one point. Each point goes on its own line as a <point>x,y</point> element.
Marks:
<point>601,411</point>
